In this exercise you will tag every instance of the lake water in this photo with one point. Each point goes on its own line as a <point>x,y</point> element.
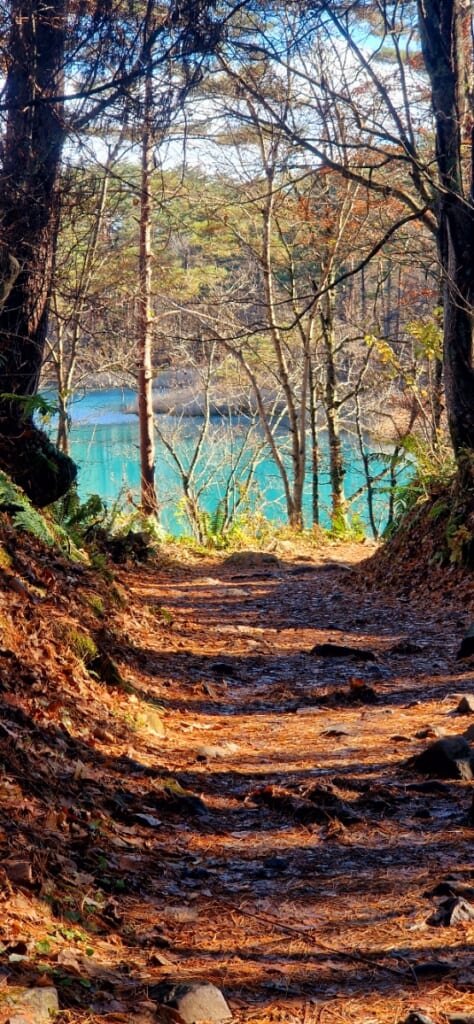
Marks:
<point>105,445</point>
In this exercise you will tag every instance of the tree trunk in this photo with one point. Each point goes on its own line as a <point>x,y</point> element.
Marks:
<point>336,461</point>
<point>447,50</point>
<point>29,215</point>
<point>313,421</point>
<point>457,249</point>
<point>63,377</point>
<point>149,500</point>
<point>436,401</point>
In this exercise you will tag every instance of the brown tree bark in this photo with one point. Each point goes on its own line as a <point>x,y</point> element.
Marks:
<point>447,49</point>
<point>29,211</point>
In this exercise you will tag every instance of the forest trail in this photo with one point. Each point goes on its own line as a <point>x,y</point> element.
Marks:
<point>241,812</point>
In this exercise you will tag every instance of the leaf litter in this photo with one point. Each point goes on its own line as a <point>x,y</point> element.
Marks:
<point>271,835</point>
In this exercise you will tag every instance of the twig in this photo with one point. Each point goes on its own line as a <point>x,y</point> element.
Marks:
<point>294,930</point>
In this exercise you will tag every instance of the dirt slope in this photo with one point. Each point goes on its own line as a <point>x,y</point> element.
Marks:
<point>236,806</point>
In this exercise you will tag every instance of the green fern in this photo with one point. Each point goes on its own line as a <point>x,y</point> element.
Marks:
<point>10,495</point>
<point>24,515</point>
<point>212,524</point>
<point>31,405</point>
<point>27,518</point>
<point>216,519</point>
<point>30,521</point>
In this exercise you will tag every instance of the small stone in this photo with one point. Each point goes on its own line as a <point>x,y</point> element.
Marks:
<point>208,752</point>
<point>195,1002</point>
<point>448,758</point>
<point>466,705</point>
<point>153,721</point>
<point>28,1005</point>
<point>148,819</point>
<point>415,1017</point>
<point>452,911</point>
<point>18,871</point>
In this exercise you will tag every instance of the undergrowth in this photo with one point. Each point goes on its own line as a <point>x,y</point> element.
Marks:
<point>435,472</point>
<point>433,519</point>
<point>27,519</point>
<point>94,532</point>
<point>433,524</point>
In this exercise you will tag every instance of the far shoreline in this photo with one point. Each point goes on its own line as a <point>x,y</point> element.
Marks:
<point>177,393</point>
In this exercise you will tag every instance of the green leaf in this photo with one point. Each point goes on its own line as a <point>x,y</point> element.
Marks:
<point>43,946</point>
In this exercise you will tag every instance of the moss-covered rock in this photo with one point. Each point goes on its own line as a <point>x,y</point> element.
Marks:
<point>35,464</point>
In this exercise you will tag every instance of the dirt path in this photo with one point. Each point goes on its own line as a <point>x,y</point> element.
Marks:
<point>298,886</point>
<point>244,815</point>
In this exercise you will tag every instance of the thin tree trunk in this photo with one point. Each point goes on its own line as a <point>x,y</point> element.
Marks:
<point>62,436</point>
<point>436,390</point>
<point>296,417</point>
<point>149,500</point>
<point>313,420</point>
<point>336,462</point>
<point>369,480</point>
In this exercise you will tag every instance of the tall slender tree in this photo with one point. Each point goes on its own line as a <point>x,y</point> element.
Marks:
<point>57,58</point>
<point>149,499</point>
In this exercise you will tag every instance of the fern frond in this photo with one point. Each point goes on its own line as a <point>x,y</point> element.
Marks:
<point>217,519</point>
<point>10,495</point>
<point>29,520</point>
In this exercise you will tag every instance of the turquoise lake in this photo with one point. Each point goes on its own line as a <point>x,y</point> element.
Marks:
<point>105,446</point>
